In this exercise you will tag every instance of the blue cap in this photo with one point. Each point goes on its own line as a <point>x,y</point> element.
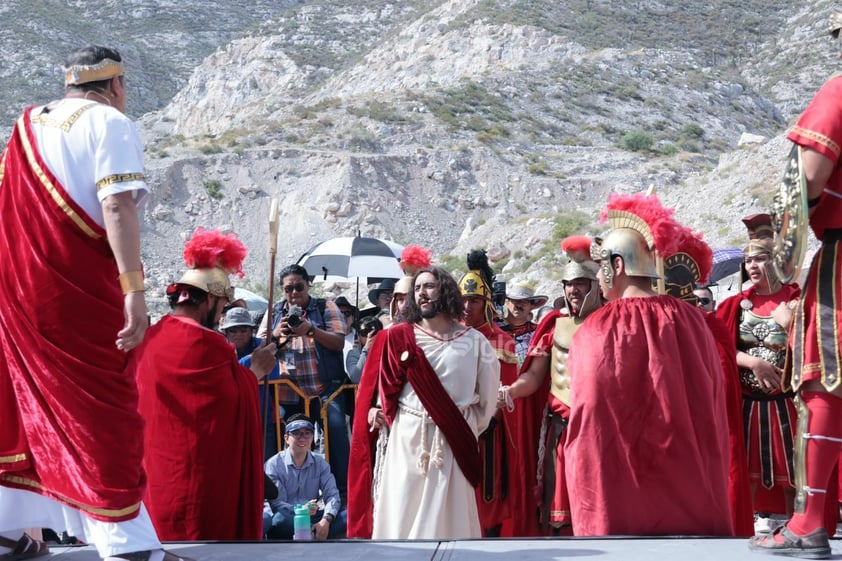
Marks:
<point>299,424</point>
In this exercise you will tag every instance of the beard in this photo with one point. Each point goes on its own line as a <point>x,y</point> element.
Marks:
<point>209,320</point>
<point>432,311</point>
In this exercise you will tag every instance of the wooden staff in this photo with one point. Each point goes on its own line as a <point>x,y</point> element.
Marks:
<point>273,250</point>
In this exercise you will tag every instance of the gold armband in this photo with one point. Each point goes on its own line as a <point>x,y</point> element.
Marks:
<point>132,281</point>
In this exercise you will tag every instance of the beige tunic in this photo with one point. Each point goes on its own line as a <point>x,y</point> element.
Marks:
<point>423,493</point>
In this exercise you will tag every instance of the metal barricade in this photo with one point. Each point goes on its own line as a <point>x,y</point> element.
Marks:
<point>308,406</point>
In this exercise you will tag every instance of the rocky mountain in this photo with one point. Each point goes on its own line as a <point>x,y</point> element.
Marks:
<point>501,124</point>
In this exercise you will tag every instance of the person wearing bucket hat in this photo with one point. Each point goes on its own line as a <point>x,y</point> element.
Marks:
<point>187,450</point>
<point>520,301</point>
<point>238,327</point>
<point>644,367</point>
<point>547,358</point>
<point>496,443</point>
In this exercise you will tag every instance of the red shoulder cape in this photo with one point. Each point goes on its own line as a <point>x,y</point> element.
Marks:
<point>204,453</point>
<point>647,444</point>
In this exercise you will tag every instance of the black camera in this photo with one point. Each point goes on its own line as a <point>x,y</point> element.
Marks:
<point>498,296</point>
<point>294,316</point>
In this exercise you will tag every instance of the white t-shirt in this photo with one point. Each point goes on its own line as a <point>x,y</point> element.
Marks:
<point>93,150</point>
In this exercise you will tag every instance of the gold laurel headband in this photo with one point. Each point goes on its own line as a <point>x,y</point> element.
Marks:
<point>84,73</point>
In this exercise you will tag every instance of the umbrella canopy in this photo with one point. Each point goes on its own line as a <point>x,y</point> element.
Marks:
<point>726,262</point>
<point>254,302</point>
<point>347,258</point>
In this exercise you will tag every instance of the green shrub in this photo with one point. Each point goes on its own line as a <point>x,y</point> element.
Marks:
<point>214,188</point>
<point>637,141</point>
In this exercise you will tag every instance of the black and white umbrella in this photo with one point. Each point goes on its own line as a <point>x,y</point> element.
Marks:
<point>726,262</point>
<point>368,260</point>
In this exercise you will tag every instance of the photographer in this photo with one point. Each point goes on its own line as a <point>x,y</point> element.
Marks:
<point>355,361</point>
<point>311,332</point>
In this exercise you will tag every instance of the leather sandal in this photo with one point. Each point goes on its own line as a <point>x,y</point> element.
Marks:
<point>24,548</point>
<point>782,541</point>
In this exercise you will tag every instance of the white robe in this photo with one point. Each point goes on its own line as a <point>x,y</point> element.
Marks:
<point>438,504</point>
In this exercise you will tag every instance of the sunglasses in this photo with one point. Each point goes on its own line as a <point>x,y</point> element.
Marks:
<point>704,301</point>
<point>290,288</point>
<point>348,313</point>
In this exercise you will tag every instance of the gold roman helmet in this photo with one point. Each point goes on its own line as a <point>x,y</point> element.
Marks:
<point>478,280</point>
<point>761,237</point>
<point>642,230</point>
<point>214,281</point>
<point>210,257</point>
<point>688,267</point>
<point>581,266</point>
<point>630,244</point>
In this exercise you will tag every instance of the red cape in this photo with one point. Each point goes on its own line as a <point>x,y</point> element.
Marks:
<point>203,447</point>
<point>647,444</point>
<point>70,428</point>
<point>361,459</point>
<point>529,413</point>
<point>502,506</point>
<point>739,489</point>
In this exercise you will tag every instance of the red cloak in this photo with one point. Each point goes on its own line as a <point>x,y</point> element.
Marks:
<point>203,435</point>
<point>529,413</point>
<point>70,427</point>
<point>647,444</point>
<point>504,490</point>
<point>739,489</point>
<point>361,458</point>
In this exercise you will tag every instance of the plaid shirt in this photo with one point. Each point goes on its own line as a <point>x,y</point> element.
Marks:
<point>302,351</point>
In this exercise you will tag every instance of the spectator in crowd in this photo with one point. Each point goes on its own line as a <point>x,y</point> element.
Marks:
<point>369,327</point>
<point>381,297</point>
<point>311,332</point>
<point>238,328</point>
<point>302,477</point>
<point>520,301</point>
<point>704,298</point>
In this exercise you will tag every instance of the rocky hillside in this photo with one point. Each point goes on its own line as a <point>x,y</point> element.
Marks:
<point>464,123</point>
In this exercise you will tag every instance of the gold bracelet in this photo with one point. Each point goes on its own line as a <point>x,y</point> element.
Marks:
<point>132,281</point>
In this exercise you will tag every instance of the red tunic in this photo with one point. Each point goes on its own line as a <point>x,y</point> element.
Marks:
<point>529,413</point>
<point>647,443</point>
<point>203,446</point>
<point>70,429</point>
<point>495,497</point>
<point>820,128</point>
